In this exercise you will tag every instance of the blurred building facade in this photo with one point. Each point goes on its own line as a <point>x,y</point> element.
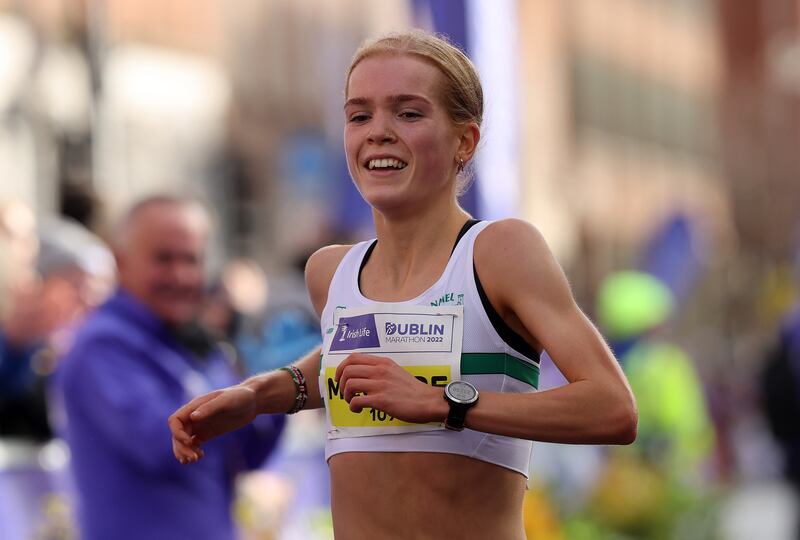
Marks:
<point>621,124</point>
<point>760,124</point>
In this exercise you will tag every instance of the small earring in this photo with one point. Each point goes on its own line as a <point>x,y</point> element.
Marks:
<point>460,165</point>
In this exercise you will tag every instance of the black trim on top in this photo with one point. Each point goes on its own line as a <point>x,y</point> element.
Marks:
<point>508,334</point>
<point>469,223</point>
<point>467,226</point>
<point>503,330</point>
<point>364,261</point>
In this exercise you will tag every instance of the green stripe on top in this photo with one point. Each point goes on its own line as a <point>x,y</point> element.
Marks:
<point>499,364</point>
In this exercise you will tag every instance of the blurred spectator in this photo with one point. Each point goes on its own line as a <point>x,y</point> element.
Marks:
<point>287,329</point>
<point>239,293</point>
<point>262,327</point>
<point>48,281</point>
<point>21,324</point>
<point>74,272</point>
<point>648,488</point>
<point>285,335</point>
<point>136,359</point>
<point>674,426</point>
<point>780,389</point>
<point>77,270</point>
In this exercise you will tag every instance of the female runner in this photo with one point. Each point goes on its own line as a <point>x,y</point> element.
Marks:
<point>432,332</point>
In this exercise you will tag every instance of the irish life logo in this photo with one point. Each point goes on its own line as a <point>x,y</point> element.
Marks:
<point>357,332</point>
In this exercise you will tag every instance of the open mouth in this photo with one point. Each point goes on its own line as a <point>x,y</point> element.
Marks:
<point>386,164</point>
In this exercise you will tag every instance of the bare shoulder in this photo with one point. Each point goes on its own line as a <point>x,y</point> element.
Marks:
<point>319,272</point>
<point>506,241</point>
<point>512,255</point>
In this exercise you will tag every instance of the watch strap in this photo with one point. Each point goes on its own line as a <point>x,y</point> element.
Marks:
<point>457,416</point>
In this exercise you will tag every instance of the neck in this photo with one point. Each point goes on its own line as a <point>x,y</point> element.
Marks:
<point>412,244</point>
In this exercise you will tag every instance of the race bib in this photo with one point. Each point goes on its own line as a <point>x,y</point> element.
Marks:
<point>424,340</point>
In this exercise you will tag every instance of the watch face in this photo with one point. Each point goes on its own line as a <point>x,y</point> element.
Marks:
<point>462,391</point>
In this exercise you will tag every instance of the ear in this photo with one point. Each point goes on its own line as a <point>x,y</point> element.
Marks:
<point>470,136</point>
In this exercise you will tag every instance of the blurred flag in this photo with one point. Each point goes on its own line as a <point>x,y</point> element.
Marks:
<point>674,256</point>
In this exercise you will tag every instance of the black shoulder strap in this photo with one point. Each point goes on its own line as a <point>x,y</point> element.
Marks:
<point>506,332</point>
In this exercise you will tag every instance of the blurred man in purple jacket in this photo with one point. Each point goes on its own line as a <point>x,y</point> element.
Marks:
<point>136,359</point>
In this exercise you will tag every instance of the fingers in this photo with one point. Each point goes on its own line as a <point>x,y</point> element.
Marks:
<point>358,403</point>
<point>361,375</point>
<point>179,431</point>
<point>356,379</point>
<point>185,444</point>
<point>359,359</point>
<point>180,422</point>
<point>186,454</point>
<point>368,381</point>
<point>356,372</point>
<point>355,386</point>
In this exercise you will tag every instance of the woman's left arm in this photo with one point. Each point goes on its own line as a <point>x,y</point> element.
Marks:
<point>528,289</point>
<point>527,286</point>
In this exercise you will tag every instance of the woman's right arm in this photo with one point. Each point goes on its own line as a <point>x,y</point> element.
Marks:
<point>228,409</point>
<point>225,410</point>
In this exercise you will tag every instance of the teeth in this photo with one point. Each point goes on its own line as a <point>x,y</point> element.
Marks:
<point>386,163</point>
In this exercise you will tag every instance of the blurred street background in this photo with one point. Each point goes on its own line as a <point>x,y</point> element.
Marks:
<point>655,143</point>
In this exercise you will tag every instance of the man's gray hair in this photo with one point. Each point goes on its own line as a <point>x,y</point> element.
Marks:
<point>134,212</point>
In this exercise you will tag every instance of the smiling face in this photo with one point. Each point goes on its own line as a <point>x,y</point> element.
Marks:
<point>401,145</point>
<point>161,259</point>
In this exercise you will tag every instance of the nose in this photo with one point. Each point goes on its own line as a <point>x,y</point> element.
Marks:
<point>184,273</point>
<point>381,129</point>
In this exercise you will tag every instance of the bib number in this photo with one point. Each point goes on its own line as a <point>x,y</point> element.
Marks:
<point>342,416</point>
<point>423,340</point>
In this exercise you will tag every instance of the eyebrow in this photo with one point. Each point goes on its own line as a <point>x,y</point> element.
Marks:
<point>396,100</point>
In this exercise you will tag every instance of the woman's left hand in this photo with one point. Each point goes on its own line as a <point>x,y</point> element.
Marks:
<point>378,382</point>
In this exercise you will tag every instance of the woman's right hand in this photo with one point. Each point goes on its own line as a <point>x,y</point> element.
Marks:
<point>209,416</point>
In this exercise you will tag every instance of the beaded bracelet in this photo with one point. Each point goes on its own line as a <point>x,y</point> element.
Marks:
<point>300,384</point>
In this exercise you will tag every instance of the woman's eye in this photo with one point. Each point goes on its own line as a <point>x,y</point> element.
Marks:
<point>410,115</point>
<point>359,117</point>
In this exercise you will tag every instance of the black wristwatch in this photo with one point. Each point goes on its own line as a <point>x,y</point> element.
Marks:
<point>461,395</point>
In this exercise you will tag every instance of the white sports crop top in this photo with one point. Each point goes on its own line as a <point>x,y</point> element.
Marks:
<point>488,359</point>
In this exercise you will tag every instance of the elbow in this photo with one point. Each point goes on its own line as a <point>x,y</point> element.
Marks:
<point>625,423</point>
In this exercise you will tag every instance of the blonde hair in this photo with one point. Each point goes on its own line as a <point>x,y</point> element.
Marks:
<point>461,93</point>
